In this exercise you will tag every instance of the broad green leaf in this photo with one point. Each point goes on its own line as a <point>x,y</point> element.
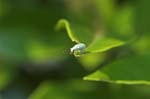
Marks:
<point>133,70</point>
<point>103,44</point>
<point>76,32</point>
<point>79,89</point>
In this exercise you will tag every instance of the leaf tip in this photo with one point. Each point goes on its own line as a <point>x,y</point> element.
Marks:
<point>64,24</point>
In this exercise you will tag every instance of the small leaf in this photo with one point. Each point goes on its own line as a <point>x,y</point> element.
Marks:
<point>65,24</point>
<point>104,44</point>
<point>134,70</point>
<point>76,32</point>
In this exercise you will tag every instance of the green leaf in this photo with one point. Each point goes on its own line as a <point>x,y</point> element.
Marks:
<point>65,24</point>
<point>98,75</point>
<point>98,44</point>
<point>104,44</point>
<point>76,32</point>
<point>133,70</point>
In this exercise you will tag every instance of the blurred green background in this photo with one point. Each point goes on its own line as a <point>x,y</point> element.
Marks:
<point>35,60</point>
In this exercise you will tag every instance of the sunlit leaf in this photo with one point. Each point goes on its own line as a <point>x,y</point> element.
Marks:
<point>134,70</point>
<point>97,76</point>
<point>104,44</point>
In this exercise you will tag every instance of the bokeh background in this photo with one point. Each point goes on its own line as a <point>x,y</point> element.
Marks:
<point>35,60</point>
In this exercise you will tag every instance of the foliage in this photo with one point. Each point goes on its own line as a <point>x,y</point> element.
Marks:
<point>109,40</point>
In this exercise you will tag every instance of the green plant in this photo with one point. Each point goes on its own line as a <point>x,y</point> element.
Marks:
<point>74,49</point>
